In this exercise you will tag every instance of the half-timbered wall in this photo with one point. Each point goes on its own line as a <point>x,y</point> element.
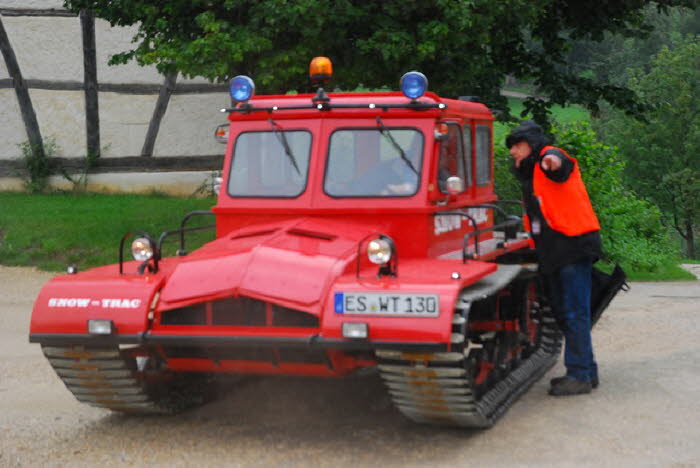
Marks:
<point>151,131</point>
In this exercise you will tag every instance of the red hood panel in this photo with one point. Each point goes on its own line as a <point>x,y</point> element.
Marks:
<point>294,263</point>
<point>278,273</point>
<point>203,277</point>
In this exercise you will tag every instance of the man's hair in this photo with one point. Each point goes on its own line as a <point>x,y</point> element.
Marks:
<point>528,131</point>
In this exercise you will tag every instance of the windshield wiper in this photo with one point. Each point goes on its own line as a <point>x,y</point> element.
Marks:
<point>276,128</point>
<point>385,131</point>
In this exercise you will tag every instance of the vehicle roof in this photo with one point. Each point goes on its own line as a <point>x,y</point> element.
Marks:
<point>357,104</point>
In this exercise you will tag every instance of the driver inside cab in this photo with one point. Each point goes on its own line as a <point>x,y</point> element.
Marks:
<point>369,163</point>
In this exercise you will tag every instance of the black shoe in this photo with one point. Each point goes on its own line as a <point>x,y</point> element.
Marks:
<point>555,380</point>
<point>569,386</point>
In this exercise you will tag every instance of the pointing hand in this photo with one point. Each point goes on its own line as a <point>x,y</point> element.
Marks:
<point>551,163</point>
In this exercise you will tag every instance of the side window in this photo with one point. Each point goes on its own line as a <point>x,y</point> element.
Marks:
<point>451,162</point>
<point>467,144</point>
<point>483,155</point>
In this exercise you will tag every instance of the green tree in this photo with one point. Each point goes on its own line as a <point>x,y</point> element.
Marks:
<point>463,46</point>
<point>610,61</point>
<point>631,227</point>
<point>663,161</point>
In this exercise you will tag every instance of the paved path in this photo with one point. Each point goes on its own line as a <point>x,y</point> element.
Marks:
<point>645,413</point>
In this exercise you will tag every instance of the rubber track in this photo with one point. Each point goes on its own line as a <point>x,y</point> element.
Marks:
<point>436,388</point>
<point>101,377</point>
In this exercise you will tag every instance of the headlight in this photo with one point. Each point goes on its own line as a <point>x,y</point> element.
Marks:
<point>100,326</point>
<point>142,249</point>
<point>379,251</point>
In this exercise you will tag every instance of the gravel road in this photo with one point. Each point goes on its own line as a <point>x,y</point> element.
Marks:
<point>645,412</point>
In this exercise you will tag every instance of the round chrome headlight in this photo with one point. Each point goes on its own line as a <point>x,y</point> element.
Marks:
<point>142,249</point>
<point>379,251</point>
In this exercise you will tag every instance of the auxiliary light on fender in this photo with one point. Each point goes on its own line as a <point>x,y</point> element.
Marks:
<point>100,326</point>
<point>355,330</point>
<point>142,249</point>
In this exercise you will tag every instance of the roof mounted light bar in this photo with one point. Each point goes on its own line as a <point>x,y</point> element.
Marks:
<point>328,106</point>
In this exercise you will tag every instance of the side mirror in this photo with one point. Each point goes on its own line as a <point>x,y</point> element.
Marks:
<point>454,185</point>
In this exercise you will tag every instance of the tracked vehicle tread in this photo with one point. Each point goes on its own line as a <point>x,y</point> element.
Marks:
<point>439,389</point>
<point>107,378</point>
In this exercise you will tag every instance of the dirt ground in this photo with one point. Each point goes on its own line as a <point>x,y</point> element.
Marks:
<point>645,412</point>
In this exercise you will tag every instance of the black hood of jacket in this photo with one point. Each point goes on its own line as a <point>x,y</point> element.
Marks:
<point>531,132</point>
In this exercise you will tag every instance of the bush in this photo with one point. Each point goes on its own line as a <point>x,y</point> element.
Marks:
<point>631,228</point>
<point>36,162</point>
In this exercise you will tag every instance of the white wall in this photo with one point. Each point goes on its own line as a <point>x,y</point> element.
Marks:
<point>50,49</point>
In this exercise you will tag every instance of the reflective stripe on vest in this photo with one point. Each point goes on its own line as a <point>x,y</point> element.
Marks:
<point>564,205</point>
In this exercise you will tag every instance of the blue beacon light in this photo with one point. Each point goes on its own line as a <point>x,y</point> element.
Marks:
<point>241,88</point>
<point>414,84</point>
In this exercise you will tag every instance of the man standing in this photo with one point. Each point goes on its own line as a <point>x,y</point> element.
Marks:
<point>567,239</point>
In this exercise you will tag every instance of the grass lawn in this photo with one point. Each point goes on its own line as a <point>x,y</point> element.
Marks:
<point>560,114</point>
<point>667,272</point>
<point>54,230</point>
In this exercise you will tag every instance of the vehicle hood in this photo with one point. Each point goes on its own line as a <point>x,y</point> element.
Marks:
<point>292,263</point>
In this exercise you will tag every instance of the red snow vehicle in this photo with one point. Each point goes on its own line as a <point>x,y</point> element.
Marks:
<point>353,230</point>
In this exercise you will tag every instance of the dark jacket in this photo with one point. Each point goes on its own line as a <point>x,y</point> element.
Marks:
<point>554,249</point>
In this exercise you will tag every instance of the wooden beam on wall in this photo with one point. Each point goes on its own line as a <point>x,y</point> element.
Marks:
<point>158,112</point>
<point>35,12</point>
<point>15,167</point>
<point>31,124</point>
<point>119,88</point>
<point>92,110</point>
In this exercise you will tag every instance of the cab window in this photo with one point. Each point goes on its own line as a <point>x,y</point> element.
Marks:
<point>467,144</point>
<point>368,162</point>
<point>451,160</point>
<point>483,155</point>
<point>270,164</point>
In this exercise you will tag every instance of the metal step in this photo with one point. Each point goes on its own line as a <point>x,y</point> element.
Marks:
<point>419,371</point>
<point>87,364</point>
<point>121,399</point>
<point>103,382</point>
<point>108,390</point>
<point>79,353</point>
<point>408,390</point>
<point>401,380</point>
<point>88,374</point>
<point>418,357</point>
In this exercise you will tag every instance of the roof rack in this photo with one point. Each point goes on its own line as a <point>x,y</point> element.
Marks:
<point>247,107</point>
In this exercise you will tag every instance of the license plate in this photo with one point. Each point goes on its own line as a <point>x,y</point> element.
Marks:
<point>395,305</point>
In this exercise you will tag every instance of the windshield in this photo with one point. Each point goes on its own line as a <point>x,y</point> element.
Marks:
<point>374,162</point>
<point>272,163</point>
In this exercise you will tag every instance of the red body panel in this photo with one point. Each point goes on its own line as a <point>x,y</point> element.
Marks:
<point>415,276</point>
<point>66,303</point>
<point>292,255</point>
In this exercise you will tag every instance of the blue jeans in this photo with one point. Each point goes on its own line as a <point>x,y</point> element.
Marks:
<point>570,292</point>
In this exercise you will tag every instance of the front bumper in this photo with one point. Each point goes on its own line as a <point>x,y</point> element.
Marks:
<point>311,342</point>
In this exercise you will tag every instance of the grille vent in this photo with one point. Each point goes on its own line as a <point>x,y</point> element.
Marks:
<point>239,311</point>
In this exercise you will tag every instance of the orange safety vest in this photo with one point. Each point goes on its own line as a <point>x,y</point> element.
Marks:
<point>564,205</point>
